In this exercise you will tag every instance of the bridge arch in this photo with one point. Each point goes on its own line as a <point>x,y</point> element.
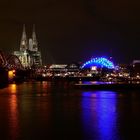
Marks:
<point>99,62</point>
<point>9,61</point>
<point>3,60</point>
<point>14,62</point>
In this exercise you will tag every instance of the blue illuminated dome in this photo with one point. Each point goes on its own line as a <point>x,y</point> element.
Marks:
<point>99,62</point>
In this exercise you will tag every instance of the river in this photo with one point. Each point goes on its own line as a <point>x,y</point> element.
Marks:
<point>55,110</point>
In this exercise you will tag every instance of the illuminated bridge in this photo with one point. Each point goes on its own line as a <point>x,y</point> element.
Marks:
<point>99,62</point>
<point>9,61</point>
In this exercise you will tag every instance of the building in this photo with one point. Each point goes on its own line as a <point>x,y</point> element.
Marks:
<point>29,54</point>
<point>135,70</point>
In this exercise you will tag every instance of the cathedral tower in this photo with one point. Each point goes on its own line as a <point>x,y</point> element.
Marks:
<point>35,44</point>
<point>23,42</point>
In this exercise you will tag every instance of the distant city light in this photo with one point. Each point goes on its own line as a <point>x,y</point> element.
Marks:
<point>93,68</point>
<point>99,62</point>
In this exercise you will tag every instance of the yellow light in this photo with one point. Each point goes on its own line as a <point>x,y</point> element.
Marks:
<point>11,74</point>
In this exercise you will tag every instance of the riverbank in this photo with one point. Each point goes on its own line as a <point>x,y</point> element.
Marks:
<point>107,85</point>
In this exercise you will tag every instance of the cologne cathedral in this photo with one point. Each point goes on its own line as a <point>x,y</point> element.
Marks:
<point>29,55</point>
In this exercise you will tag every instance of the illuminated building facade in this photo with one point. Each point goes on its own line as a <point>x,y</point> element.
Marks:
<point>29,54</point>
<point>98,66</point>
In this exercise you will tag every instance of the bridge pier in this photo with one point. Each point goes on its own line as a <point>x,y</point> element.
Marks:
<point>3,78</point>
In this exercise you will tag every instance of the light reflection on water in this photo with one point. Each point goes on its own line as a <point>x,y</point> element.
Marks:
<point>13,117</point>
<point>95,82</point>
<point>100,115</point>
<point>45,110</point>
<point>13,88</point>
<point>13,112</point>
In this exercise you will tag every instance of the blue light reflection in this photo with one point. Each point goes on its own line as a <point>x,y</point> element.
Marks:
<point>99,115</point>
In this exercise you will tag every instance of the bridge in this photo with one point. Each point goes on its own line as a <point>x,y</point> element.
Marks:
<point>12,68</point>
<point>10,61</point>
<point>8,65</point>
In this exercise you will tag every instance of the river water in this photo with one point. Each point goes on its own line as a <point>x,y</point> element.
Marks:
<point>56,110</point>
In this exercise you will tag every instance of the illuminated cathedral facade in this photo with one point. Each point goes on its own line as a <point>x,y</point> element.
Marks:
<point>29,55</point>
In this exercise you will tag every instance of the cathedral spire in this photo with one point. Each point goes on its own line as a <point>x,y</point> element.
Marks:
<point>23,43</point>
<point>33,33</point>
<point>35,44</point>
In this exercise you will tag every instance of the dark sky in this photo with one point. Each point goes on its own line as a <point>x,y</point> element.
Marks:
<point>74,30</point>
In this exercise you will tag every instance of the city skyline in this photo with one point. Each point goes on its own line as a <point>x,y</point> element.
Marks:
<point>75,30</point>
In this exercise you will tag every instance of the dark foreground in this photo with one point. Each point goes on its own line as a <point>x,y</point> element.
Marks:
<point>55,110</point>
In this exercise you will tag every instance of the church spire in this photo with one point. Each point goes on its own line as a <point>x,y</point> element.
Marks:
<point>35,44</point>
<point>23,43</point>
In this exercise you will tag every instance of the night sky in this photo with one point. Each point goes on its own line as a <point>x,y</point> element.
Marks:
<point>74,30</point>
